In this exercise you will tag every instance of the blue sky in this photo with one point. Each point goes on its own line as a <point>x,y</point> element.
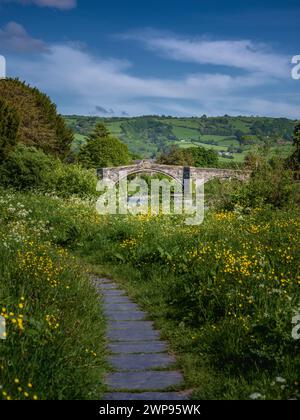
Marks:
<point>183,58</point>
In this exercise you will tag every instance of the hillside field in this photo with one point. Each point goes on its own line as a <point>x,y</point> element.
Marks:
<point>231,137</point>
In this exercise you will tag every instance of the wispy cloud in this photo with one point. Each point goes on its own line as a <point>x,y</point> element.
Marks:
<point>241,54</point>
<point>79,81</point>
<point>58,4</point>
<point>13,37</point>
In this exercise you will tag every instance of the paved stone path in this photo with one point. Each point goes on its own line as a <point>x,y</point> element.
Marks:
<point>143,367</point>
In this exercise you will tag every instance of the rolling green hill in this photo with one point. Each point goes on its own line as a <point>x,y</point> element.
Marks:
<point>231,137</point>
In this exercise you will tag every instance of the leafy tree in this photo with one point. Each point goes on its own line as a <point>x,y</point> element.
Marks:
<point>9,124</point>
<point>203,157</point>
<point>193,156</point>
<point>294,160</point>
<point>40,124</point>
<point>270,184</point>
<point>176,156</point>
<point>239,136</point>
<point>103,150</point>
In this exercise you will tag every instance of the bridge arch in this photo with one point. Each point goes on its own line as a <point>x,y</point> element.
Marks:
<point>150,172</point>
<point>178,173</point>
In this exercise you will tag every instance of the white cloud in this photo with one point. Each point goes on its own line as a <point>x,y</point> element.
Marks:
<point>78,82</point>
<point>13,37</point>
<point>241,54</point>
<point>58,4</point>
<point>71,69</point>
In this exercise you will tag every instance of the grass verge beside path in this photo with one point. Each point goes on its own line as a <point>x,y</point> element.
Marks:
<point>54,346</point>
<point>223,294</point>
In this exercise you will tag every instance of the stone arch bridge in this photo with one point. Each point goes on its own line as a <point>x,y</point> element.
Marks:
<point>179,173</point>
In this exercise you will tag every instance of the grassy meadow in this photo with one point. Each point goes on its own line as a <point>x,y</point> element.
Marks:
<point>223,293</point>
<point>54,347</point>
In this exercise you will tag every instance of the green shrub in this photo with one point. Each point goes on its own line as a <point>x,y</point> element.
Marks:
<point>270,184</point>
<point>103,150</point>
<point>28,168</point>
<point>25,168</point>
<point>72,179</point>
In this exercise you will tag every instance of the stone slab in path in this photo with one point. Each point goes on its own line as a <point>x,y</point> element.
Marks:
<point>148,380</point>
<point>124,325</point>
<point>115,299</point>
<point>145,396</point>
<point>138,347</point>
<point>133,335</point>
<point>138,356</point>
<point>125,316</point>
<point>125,362</point>
<point>106,286</point>
<point>108,307</point>
<point>112,292</point>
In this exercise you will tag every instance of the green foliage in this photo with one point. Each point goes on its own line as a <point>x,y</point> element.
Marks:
<point>296,137</point>
<point>68,180</point>
<point>224,294</point>
<point>25,168</point>
<point>176,156</point>
<point>102,150</point>
<point>204,157</point>
<point>9,124</point>
<point>194,156</point>
<point>149,136</point>
<point>40,125</point>
<point>28,168</point>
<point>294,160</point>
<point>270,184</point>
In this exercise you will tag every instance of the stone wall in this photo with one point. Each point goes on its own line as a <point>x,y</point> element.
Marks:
<point>176,172</point>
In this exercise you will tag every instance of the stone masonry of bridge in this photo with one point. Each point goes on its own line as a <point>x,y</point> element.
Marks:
<point>179,173</point>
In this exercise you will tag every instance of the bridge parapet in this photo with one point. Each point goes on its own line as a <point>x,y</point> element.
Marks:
<point>179,173</point>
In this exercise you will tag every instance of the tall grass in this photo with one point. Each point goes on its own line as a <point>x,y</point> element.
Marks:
<point>224,293</point>
<point>54,347</point>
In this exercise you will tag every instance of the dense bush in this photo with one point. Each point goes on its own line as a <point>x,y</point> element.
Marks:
<point>67,180</point>
<point>25,168</point>
<point>270,184</point>
<point>28,168</point>
<point>204,157</point>
<point>193,156</point>
<point>103,150</point>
